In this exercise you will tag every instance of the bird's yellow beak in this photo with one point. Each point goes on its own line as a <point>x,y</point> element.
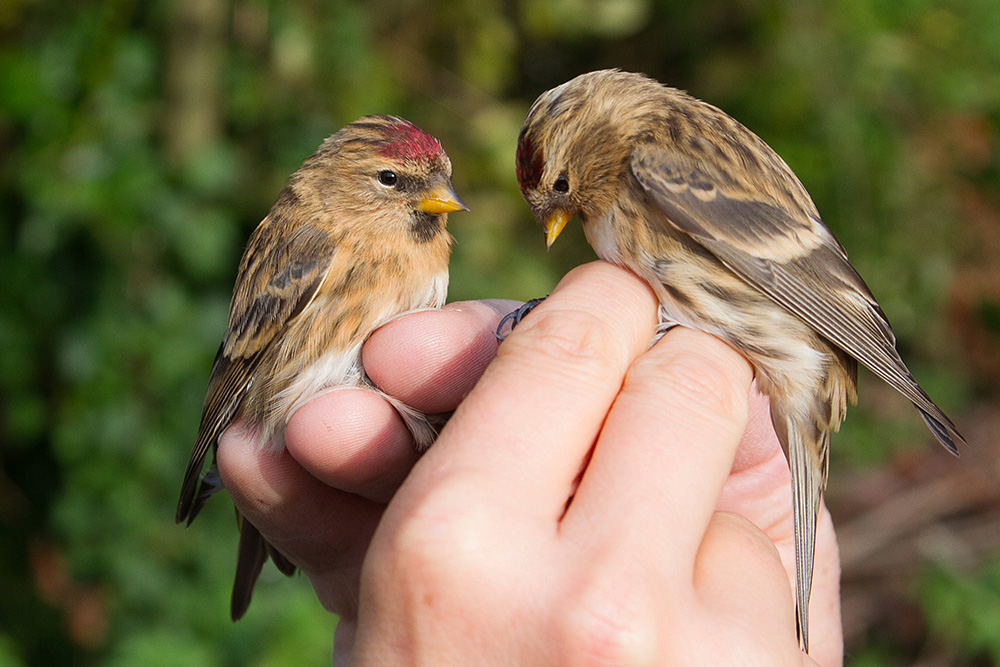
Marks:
<point>555,224</point>
<point>441,199</point>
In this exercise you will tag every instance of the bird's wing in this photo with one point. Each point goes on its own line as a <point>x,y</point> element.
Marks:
<point>278,278</point>
<point>787,254</point>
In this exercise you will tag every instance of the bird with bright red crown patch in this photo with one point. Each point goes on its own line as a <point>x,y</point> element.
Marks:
<point>356,238</point>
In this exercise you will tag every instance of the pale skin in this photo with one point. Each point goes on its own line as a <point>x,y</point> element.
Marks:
<point>675,548</point>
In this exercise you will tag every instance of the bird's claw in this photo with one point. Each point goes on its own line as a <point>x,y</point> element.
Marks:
<point>515,317</point>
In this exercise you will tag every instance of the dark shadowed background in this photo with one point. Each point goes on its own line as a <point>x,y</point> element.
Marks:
<point>141,142</point>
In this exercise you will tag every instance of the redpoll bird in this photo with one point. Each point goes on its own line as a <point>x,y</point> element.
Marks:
<point>355,238</point>
<point>687,198</point>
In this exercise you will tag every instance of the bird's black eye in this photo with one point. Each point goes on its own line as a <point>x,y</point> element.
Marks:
<point>387,178</point>
<point>561,185</point>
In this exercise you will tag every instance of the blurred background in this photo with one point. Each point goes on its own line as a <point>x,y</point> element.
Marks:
<point>142,140</point>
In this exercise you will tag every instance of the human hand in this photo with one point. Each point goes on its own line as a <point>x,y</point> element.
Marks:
<point>319,500</point>
<point>497,550</point>
<point>638,567</point>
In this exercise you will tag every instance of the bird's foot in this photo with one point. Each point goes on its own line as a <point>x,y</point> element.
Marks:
<point>515,317</point>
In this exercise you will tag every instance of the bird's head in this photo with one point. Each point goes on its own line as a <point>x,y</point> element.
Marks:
<point>574,147</point>
<point>384,170</point>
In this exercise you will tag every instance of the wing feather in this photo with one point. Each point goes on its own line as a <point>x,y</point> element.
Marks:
<point>788,255</point>
<point>278,279</point>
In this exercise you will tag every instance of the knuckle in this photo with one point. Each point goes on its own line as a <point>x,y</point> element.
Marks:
<point>433,542</point>
<point>752,540</point>
<point>608,627</point>
<point>576,340</point>
<point>702,381</point>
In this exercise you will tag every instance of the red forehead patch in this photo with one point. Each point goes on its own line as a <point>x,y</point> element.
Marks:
<point>406,141</point>
<point>530,163</point>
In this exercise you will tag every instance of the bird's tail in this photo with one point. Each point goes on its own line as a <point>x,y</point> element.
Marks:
<point>253,552</point>
<point>807,457</point>
<point>806,438</point>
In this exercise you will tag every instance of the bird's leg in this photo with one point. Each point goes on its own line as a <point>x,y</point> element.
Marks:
<point>665,325</point>
<point>515,317</point>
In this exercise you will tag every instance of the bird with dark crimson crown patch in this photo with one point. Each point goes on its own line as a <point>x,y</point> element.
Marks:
<point>356,238</point>
<point>702,209</point>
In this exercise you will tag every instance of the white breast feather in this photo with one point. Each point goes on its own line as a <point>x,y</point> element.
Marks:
<point>339,368</point>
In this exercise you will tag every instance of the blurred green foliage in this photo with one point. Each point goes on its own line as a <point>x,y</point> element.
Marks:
<point>965,611</point>
<point>141,142</point>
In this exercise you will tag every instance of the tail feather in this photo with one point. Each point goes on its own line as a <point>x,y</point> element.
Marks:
<point>250,559</point>
<point>253,552</point>
<point>807,455</point>
<point>285,566</point>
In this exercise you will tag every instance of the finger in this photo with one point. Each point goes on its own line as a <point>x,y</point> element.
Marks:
<point>759,443</point>
<point>431,359</point>
<point>759,489</point>
<point>667,446</point>
<point>519,439</point>
<point>759,485</point>
<point>352,440</point>
<point>739,577</point>
<point>320,529</point>
<point>826,630</point>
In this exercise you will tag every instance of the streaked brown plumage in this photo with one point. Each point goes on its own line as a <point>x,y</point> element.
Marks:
<point>701,208</point>
<point>355,238</point>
